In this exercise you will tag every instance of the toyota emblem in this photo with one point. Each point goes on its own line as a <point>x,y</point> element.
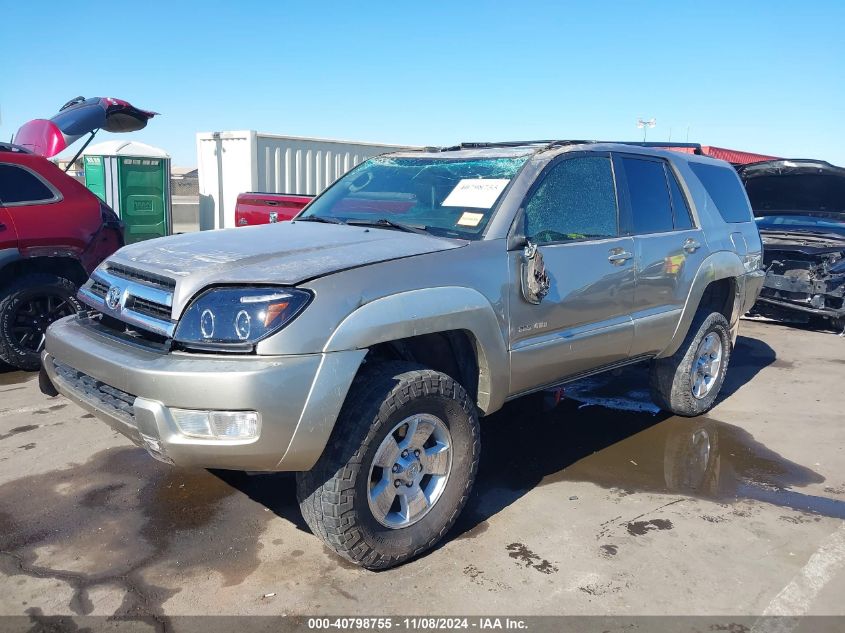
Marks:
<point>113,297</point>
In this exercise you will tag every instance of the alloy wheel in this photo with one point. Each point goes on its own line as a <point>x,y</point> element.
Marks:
<point>409,471</point>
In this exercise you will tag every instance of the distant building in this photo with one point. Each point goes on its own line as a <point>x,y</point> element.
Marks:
<point>184,181</point>
<point>180,173</point>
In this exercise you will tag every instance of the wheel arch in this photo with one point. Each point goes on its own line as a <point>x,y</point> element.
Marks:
<point>718,283</point>
<point>70,268</point>
<point>455,313</point>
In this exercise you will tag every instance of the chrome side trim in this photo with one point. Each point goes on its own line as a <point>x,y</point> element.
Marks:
<point>573,334</point>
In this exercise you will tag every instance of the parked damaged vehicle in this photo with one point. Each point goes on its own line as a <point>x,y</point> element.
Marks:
<point>800,210</point>
<point>359,344</point>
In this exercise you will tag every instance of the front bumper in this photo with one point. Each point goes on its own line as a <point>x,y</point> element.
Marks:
<point>807,297</point>
<point>132,388</point>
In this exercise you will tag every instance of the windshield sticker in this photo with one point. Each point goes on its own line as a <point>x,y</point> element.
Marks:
<point>477,193</point>
<point>470,219</point>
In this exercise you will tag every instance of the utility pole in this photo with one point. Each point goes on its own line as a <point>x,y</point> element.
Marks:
<point>645,124</point>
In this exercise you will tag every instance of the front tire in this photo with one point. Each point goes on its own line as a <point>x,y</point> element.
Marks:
<point>397,469</point>
<point>688,382</point>
<point>27,307</point>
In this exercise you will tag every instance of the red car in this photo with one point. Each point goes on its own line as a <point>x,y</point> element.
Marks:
<point>53,231</point>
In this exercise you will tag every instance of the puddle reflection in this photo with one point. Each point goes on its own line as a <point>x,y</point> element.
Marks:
<point>632,451</point>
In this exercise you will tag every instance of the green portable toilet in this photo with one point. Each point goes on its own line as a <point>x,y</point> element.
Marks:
<point>134,180</point>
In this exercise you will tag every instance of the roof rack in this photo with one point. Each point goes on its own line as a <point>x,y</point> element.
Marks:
<point>486,144</point>
<point>696,147</point>
<point>11,147</point>
<point>549,144</point>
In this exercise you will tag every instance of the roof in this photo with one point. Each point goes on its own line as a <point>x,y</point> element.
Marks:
<point>514,149</point>
<point>125,148</point>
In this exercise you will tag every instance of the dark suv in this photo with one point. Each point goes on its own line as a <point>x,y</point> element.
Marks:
<point>53,231</point>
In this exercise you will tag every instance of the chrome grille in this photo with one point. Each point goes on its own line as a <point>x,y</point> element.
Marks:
<point>143,300</point>
<point>148,308</point>
<point>141,276</point>
<point>99,288</point>
<point>113,400</point>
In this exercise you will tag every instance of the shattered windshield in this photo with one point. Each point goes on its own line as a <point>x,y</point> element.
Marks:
<point>445,197</point>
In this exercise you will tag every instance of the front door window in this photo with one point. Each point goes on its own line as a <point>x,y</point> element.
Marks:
<point>575,201</point>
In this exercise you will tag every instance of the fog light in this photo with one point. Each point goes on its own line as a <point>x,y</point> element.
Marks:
<point>218,425</point>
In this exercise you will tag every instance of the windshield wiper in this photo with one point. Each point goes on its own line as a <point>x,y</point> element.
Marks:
<point>320,218</point>
<point>384,222</point>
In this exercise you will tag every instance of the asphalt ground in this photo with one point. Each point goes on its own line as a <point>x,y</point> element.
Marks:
<point>583,509</point>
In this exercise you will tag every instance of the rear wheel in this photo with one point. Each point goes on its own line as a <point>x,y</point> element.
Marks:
<point>28,306</point>
<point>688,382</point>
<point>398,468</point>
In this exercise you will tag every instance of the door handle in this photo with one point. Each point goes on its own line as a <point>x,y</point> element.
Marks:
<point>2,227</point>
<point>690,245</point>
<point>619,258</point>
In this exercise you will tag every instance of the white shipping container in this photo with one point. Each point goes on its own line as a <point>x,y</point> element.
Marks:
<point>230,163</point>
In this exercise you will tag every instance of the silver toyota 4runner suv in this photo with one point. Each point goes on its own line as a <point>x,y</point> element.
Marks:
<point>359,344</point>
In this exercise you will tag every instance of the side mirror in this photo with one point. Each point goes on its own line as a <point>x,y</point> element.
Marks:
<point>534,279</point>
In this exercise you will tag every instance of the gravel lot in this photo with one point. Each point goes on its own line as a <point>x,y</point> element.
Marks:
<point>584,510</point>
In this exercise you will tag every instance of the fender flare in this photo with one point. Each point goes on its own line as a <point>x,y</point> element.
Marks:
<point>427,311</point>
<point>9,255</point>
<point>717,266</point>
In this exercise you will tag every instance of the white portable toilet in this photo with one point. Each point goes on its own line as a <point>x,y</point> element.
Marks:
<point>133,179</point>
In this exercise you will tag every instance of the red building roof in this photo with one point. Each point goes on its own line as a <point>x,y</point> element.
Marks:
<point>734,156</point>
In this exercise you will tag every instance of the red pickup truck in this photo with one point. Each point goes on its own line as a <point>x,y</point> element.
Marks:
<point>255,207</point>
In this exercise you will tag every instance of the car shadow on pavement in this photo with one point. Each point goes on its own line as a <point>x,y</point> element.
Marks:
<point>11,376</point>
<point>274,491</point>
<point>750,355</point>
<point>630,451</point>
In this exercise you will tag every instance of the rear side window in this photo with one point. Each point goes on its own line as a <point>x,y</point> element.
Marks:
<point>19,185</point>
<point>683,219</point>
<point>725,188</point>
<point>576,200</point>
<point>651,208</point>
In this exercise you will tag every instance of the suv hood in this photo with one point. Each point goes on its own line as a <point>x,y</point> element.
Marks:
<point>77,118</point>
<point>287,253</point>
<point>797,186</point>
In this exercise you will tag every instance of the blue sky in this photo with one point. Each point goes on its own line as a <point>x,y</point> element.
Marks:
<point>765,77</point>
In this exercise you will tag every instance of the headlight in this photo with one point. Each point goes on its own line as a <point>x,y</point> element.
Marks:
<point>236,318</point>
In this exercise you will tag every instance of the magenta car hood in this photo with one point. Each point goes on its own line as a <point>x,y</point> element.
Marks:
<point>77,118</point>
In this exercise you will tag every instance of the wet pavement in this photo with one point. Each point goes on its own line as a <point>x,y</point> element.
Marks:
<point>581,509</point>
